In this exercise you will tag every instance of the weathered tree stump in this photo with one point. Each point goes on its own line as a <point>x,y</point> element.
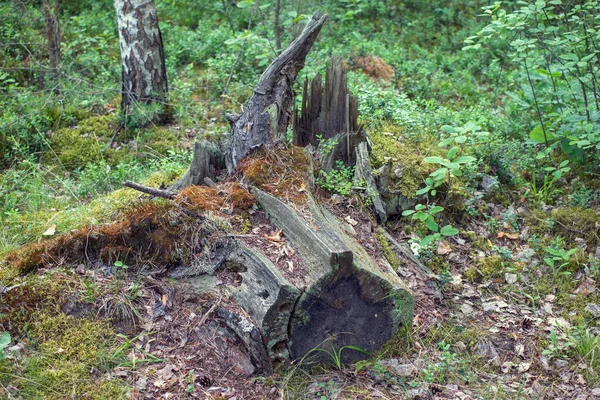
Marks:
<point>208,159</point>
<point>268,112</point>
<point>348,298</point>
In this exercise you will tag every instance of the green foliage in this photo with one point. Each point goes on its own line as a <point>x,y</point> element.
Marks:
<point>339,180</point>
<point>4,342</point>
<point>553,45</point>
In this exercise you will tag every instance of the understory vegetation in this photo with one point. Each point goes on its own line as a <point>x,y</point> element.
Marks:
<point>482,116</point>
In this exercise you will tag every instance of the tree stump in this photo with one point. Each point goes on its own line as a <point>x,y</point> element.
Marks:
<point>268,112</point>
<point>349,299</point>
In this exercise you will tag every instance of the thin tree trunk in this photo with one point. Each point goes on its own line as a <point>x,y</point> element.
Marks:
<point>277,25</point>
<point>142,56</point>
<point>53,36</point>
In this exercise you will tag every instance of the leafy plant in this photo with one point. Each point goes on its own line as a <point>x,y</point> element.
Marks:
<point>426,215</point>
<point>4,342</point>
<point>335,355</point>
<point>339,180</point>
<point>558,258</point>
<point>548,190</point>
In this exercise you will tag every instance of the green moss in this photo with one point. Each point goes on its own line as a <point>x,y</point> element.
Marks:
<point>159,140</point>
<point>573,222</point>
<point>388,251</point>
<point>404,155</point>
<point>478,242</point>
<point>76,147</point>
<point>492,267</point>
<point>68,350</point>
<point>472,275</point>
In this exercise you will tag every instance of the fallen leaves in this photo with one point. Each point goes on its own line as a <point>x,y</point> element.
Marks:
<point>51,231</point>
<point>274,236</point>
<point>511,236</point>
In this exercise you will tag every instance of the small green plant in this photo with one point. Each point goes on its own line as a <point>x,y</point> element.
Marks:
<point>426,215</point>
<point>339,180</point>
<point>190,388</point>
<point>548,190</point>
<point>335,355</point>
<point>558,258</point>
<point>438,372</point>
<point>555,347</point>
<point>4,342</point>
<point>326,146</point>
<point>125,354</point>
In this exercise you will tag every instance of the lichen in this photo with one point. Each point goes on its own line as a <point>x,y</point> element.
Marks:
<point>388,251</point>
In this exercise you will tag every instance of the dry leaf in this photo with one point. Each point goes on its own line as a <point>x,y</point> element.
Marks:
<point>164,299</point>
<point>444,248</point>
<point>50,231</point>
<point>507,235</point>
<point>351,221</point>
<point>274,236</point>
<point>586,287</point>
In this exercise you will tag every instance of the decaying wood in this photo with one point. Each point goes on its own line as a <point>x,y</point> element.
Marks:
<point>165,194</point>
<point>329,111</point>
<point>405,252</point>
<point>267,113</point>
<point>208,159</point>
<point>364,172</point>
<point>349,299</point>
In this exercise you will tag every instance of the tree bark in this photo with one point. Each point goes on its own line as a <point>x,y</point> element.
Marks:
<point>346,299</point>
<point>54,37</point>
<point>268,112</point>
<point>142,56</point>
<point>277,27</point>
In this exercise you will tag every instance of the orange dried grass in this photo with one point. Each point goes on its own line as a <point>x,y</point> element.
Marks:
<point>375,67</point>
<point>281,172</point>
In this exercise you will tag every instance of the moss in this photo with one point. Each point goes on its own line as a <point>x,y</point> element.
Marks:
<point>472,275</point>
<point>492,267</point>
<point>403,155</point>
<point>159,140</point>
<point>68,350</point>
<point>574,222</point>
<point>76,147</point>
<point>388,251</point>
<point>478,242</point>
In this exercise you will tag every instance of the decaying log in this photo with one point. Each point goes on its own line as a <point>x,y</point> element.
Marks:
<point>208,159</point>
<point>364,172</point>
<point>267,113</point>
<point>329,112</point>
<point>349,299</point>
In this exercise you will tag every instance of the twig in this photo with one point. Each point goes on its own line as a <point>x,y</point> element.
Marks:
<point>209,312</point>
<point>405,252</point>
<point>165,194</point>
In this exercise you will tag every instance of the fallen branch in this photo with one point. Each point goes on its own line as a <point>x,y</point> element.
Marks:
<point>165,194</point>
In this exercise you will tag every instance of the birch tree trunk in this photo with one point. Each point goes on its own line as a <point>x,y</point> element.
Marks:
<point>142,55</point>
<point>53,36</point>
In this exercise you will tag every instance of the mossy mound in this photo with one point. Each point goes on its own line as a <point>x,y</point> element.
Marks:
<point>76,147</point>
<point>569,223</point>
<point>159,140</point>
<point>574,222</point>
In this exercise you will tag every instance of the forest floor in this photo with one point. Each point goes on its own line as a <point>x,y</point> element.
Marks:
<point>492,320</point>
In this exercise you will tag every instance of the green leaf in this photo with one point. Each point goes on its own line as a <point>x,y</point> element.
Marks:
<point>537,135</point>
<point>4,340</point>
<point>428,239</point>
<point>422,191</point>
<point>452,152</point>
<point>460,139</point>
<point>406,213</point>
<point>435,160</point>
<point>435,209</point>
<point>464,159</point>
<point>448,230</point>
<point>431,224</point>
<point>245,3</point>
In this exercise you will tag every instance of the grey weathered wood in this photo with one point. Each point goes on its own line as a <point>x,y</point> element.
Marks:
<point>364,172</point>
<point>349,299</point>
<point>267,113</point>
<point>208,159</point>
<point>267,296</point>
